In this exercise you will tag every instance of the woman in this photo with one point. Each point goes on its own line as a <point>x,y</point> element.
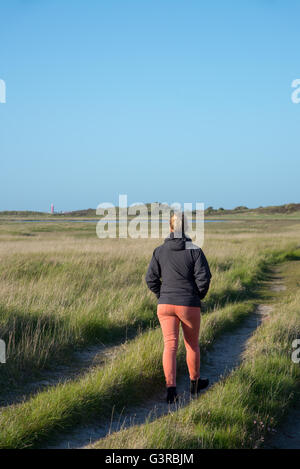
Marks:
<point>180,277</point>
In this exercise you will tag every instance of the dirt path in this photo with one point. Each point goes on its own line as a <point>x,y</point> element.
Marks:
<point>277,282</point>
<point>82,362</point>
<point>225,355</point>
<point>288,434</point>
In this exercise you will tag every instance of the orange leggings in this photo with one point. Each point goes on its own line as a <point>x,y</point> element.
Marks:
<point>169,317</point>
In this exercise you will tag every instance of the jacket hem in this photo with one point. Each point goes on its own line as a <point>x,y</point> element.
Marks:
<point>179,302</point>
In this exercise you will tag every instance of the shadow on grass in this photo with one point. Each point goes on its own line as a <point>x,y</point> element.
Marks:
<point>253,288</point>
<point>36,341</point>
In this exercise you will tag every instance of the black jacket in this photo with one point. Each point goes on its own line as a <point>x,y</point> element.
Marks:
<point>178,275</point>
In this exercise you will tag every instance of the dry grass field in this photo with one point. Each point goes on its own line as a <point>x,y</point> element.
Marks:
<point>62,289</point>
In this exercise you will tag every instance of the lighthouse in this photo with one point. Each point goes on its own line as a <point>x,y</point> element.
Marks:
<point>52,209</point>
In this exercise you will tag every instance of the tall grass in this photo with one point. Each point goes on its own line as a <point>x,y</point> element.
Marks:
<point>126,379</point>
<point>59,291</point>
<point>64,289</point>
<point>242,410</point>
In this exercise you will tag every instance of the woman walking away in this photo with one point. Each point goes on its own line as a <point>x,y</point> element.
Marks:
<point>179,276</point>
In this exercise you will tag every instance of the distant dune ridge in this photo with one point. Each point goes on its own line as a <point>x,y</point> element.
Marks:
<point>285,209</point>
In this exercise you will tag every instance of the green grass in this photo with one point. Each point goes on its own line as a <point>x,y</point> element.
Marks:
<point>242,410</point>
<point>52,302</point>
<point>132,376</point>
<point>59,291</point>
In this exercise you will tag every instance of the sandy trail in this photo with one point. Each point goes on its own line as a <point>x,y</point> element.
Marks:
<point>288,434</point>
<point>225,355</point>
<point>82,362</point>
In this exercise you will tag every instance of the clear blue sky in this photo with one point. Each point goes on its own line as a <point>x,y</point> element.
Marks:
<point>164,100</point>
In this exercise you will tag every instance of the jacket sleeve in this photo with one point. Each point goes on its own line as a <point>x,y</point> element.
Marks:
<point>153,276</point>
<point>202,274</point>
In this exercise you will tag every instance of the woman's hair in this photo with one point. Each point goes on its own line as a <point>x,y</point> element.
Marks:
<point>178,224</point>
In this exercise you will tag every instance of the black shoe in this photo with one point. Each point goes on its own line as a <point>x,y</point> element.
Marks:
<point>198,384</point>
<point>171,395</point>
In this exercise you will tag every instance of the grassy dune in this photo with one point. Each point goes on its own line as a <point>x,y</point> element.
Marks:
<point>63,288</point>
<point>286,211</point>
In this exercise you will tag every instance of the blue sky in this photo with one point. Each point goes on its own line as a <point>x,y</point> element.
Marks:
<point>158,99</point>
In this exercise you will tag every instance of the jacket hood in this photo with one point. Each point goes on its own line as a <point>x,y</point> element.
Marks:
<point>176,244</point>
